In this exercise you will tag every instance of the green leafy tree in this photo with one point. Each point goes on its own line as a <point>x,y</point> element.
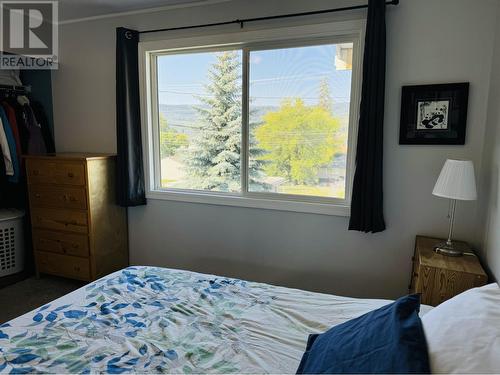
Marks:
<point>170,139</point>
<point>214,157</point>
<point>298,141</point>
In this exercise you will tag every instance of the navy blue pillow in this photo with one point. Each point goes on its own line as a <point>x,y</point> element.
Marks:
<point>387,340</point>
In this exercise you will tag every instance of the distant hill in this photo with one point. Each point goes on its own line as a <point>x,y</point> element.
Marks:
<point>185,118</point>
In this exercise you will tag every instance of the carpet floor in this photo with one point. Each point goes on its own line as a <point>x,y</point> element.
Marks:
<point>27,295</point>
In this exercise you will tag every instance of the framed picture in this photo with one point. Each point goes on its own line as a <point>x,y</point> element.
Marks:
<point>434,114</point>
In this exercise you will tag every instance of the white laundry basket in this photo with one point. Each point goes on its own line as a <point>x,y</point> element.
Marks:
<point>11,241</point>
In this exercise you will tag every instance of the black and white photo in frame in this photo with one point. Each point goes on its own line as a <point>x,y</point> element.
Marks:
<point>434,114</point>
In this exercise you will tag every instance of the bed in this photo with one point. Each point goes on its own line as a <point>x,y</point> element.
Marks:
<point>150,319</point>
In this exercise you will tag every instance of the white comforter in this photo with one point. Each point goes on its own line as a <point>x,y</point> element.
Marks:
<point>148,319</point>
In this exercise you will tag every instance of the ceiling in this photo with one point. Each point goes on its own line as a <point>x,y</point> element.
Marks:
<point>71,10</point>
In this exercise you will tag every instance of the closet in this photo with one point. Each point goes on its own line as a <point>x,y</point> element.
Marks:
<point>26,128</point>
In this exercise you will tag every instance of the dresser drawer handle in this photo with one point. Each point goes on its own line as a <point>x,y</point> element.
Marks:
<point>37,195</point>
<point>66,223</point>
<point>71,175</point>
<point>69,198</point>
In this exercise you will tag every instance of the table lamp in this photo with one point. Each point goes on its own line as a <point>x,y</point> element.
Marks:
<point>456,182</point>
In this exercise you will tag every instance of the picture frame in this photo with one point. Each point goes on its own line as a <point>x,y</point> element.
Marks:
<point>434,114</point>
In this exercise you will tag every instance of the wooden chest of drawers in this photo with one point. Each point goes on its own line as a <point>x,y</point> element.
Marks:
<point>78,230</point>
<point>439,277</point>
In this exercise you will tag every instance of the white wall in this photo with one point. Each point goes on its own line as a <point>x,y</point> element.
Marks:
<point>490,187</point>
<point>429,41</point>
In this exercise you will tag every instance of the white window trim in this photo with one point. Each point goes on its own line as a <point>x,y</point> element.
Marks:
<point>334,32</point>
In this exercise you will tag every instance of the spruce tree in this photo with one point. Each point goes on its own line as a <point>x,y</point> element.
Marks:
<point>256,162</point>
<point>325,98</point>
<point>214,157</point>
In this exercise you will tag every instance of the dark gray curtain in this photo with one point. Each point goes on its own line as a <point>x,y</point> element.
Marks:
<point>130,170</point>
<point>367,195</point>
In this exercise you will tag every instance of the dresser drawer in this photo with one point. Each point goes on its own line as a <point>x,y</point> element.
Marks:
<point>60,242</point>
<point>63,197</point>
<point>55,172</point>
<point>58,219</point>
<point>63,265</point>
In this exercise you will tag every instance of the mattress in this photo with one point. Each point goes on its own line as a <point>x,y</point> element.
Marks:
<point>149,319</point>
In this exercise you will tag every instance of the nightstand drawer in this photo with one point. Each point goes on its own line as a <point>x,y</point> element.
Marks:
<point>58,219</point>
<point>63,197</point>
<point>55,172</point>
<point>437,284</point>
<point>63,265</point>
<point>62,243</point>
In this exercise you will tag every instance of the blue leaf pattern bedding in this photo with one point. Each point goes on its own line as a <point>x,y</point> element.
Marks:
<point>157,320</point>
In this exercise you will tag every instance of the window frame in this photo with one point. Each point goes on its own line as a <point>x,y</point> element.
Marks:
<point>247,41</point>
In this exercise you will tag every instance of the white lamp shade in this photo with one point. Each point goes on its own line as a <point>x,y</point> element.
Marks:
<point>456,181</point>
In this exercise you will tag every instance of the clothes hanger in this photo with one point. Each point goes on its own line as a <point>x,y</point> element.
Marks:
<point>23,99</point>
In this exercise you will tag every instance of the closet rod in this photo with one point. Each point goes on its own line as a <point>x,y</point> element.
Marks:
<point>245,20</point>
<point>15,88</point>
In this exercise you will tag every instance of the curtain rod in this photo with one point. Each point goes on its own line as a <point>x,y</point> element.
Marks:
<point>245,20</point>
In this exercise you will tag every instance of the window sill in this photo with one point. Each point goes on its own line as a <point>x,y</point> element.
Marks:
<point>332,209</point>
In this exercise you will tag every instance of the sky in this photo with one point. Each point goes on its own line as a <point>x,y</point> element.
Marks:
<point>274,75</point>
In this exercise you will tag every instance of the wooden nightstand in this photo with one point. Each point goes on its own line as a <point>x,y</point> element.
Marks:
<point>438,277</point>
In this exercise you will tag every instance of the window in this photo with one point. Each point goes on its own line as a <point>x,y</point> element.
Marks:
<point>259,124</point>
<point>200,117</point>
<point>299,111</point>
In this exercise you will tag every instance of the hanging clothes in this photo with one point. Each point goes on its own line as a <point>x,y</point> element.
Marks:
<point>4,196</point>
<point>3,172</point>
<point>11,116</point>
<point>32,140</point>
<point>14,172</point>
<point>44,124</point>
<point>21,121</point>
<point>4,145</point>
<point>24,129</point>
<point>36,143</point>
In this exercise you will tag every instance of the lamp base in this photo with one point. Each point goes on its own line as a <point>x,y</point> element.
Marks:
<point>451,249</point>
